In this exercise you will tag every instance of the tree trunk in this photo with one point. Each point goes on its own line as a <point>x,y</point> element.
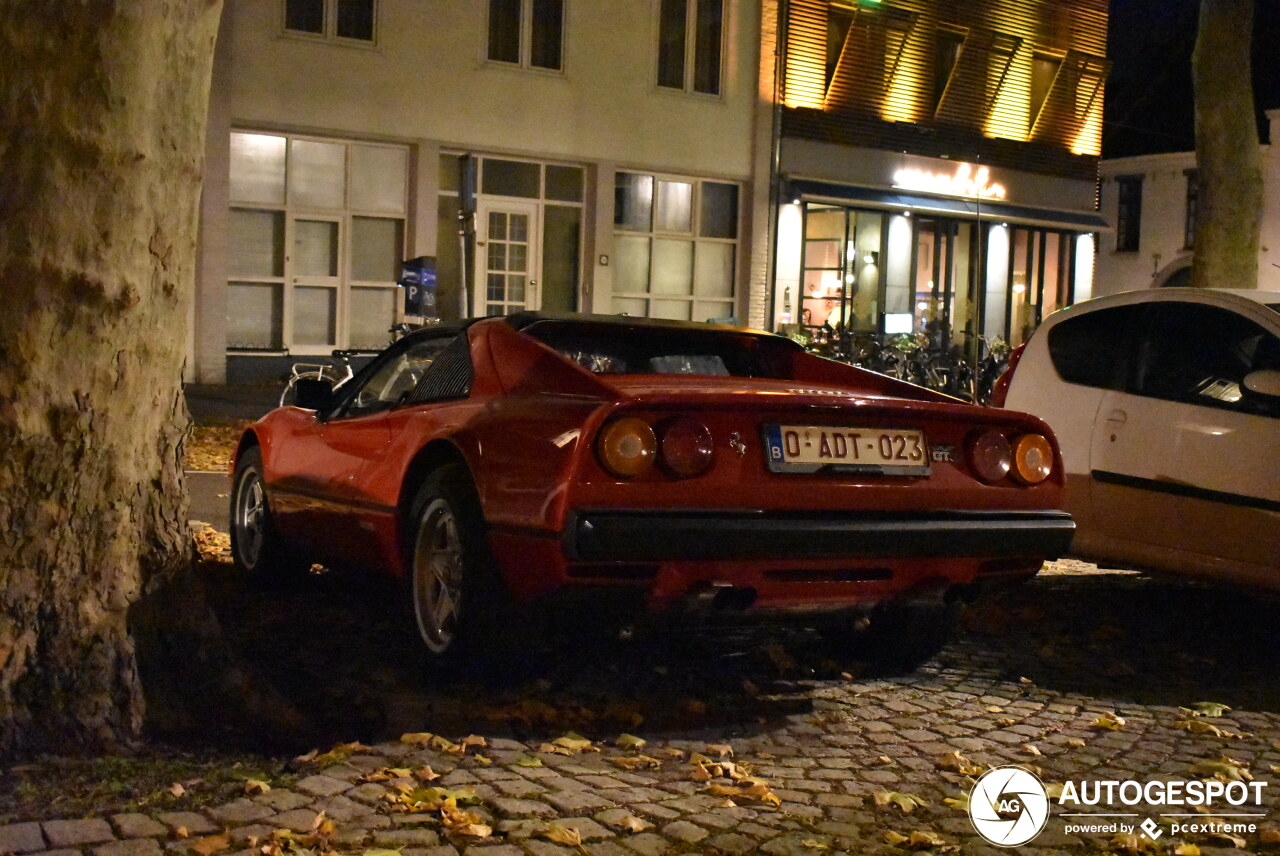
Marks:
<point>102,118</point>
<point>1227,149</point>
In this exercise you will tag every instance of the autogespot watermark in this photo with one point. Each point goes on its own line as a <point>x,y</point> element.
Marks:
<point>1010,806</point>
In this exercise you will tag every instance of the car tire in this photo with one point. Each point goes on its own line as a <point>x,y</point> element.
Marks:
<point>897,638</point>
<point>256,545</point>
<point>455,592</point>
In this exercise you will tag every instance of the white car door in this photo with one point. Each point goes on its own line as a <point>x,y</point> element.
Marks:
<point>1185,457</point>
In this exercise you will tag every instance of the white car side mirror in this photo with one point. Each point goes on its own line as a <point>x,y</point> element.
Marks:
<point>1263,382</point>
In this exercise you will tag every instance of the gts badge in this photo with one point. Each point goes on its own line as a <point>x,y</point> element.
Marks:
<point>943,454</point>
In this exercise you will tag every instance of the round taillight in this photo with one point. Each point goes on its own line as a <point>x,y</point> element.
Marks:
<point>627,447</point>
<point>991,456</point>
<point>686,447</point>
<point>1032,458</point>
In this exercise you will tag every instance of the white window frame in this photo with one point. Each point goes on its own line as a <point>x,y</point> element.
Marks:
<point>293,212</point>
<point>329,31</point>
<point>526,39</point>
<point>694,236</point>
<point>691,48</point>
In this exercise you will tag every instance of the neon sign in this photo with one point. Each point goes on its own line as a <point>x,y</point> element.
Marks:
<point>965,181</point>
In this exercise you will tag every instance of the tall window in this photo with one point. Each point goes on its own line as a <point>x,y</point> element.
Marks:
<point>1128,212</point>
<point>529,33</point>
<point>675,246</point>
<point>1193,203</point>
<point>341,19</point>
<point>316,239</point>
<point>690,44</point>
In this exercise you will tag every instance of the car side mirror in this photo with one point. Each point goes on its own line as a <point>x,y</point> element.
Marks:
<point>1263,382</point>
<point>312,393</point>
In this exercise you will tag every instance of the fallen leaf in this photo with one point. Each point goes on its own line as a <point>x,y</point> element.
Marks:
<point>456,821</point>
<point>958,763</point>
<point>381,853</point>
<point>1109,722</point>
<point>700,773</point>
<point>674,752</point>
<point>885,761</point>
<point>339,753</point>
<point>1006,721</point>
<point>720,750</point>
<point>422,774</point>
<point>1224,768</point>
<point>1053,790</point>
<point>177,789</point>
<point>574,743</point>
<point>630,741</point>
<point>631,823</point>
<point>443,744</point>
<point>895,838</point>
<point>1076,741</point>
<point>994,709</point>
<point>256,786</point>
<point>1197,727</point>
<point>1130,842</point>
<point>1025,681</point>
<point>565,835</point>
<point>922,839</point>
<point>635,762</point>
<point>472,740</point>
<point>757,792</point>
<point>815,844</point>
<point>960,802</point>
<point>182,832</point>
<point>1210,708</point>
<point>211,844</point>
<point>906,802</point>
<point>1030,749</point>
<point>1186,850</point>
<point>528,761</point>
<point>552,749</point>
<point>482,760</point>
<point>417,738</point>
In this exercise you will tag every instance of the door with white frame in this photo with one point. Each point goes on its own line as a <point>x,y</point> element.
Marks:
<point>315,260</point>
<point>508,262</point>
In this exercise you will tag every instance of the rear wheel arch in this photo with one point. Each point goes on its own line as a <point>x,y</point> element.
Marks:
<point>431,457</point>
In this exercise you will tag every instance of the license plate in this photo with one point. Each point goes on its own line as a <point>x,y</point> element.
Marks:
<point>811,448</point>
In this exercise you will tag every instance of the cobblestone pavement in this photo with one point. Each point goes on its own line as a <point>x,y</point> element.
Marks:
<point>1079,675</point>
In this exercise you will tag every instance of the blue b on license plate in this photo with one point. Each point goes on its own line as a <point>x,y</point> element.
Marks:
<point>811,448</point>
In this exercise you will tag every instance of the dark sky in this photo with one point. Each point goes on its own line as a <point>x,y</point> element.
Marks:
<point>1150,106</point>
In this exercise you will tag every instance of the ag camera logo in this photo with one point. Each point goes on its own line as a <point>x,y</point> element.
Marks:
<point>1008,806</point>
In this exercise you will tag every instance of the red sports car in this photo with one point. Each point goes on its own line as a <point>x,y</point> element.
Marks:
<point>664,466</point>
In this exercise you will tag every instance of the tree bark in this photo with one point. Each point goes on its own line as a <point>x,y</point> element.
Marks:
<point>102,115</point>
<point>1227,149</point>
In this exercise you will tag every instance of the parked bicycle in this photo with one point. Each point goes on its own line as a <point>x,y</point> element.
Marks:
<point>339,369</point>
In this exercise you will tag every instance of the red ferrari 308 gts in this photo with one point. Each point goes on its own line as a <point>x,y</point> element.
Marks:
<point>667,467</point>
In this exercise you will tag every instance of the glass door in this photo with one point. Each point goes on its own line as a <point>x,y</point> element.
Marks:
<point>507,259</point>
<point>314,260</point>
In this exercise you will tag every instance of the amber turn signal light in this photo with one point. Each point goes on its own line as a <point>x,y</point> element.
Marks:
<point>627,447</point>
<point>1032,458</point>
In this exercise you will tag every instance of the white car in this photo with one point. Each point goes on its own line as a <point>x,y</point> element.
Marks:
<point>1166,404</point>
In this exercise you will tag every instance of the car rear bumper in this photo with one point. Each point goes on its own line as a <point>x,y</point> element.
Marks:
<point>638,536</point>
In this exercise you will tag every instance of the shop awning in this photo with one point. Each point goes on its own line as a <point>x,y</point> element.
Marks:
<point>824,191</point>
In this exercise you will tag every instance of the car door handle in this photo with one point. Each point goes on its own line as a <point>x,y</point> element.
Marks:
<point>1118,417</point>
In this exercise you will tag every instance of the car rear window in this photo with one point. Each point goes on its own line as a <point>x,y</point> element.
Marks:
<point>1093,349</point>
<point>622,349</point>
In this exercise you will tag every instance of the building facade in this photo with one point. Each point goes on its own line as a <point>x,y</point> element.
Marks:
<point>1150,203</point>
<point>877,166</point>
<point>937,165</point>
<point>609,153</point>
